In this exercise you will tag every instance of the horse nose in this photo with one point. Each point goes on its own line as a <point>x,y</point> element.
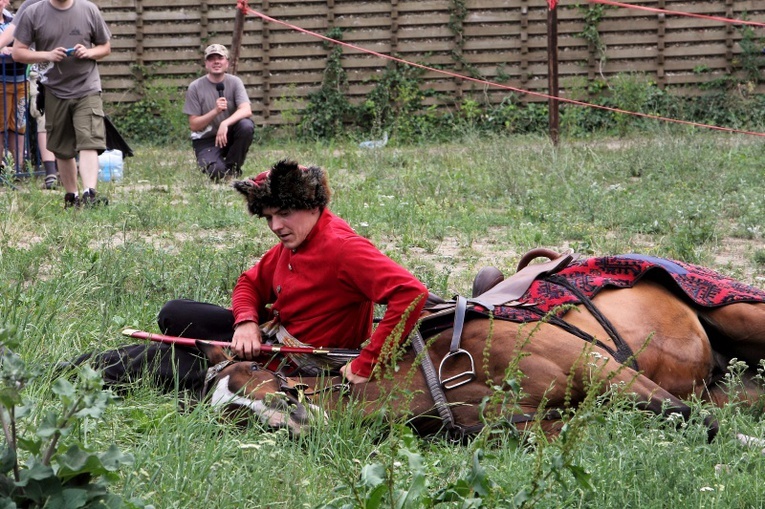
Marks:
<point>292,414</point>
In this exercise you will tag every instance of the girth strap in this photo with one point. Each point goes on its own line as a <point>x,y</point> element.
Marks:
<point>439,398</point>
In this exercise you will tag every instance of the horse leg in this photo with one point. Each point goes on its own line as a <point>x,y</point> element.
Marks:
<point>737,330</point>
<point>553,387</point>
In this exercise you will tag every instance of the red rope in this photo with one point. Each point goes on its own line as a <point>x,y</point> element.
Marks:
<point>552,4</point>
<point>497,85</point>
<point>242,6</point>
<point>678,13</point>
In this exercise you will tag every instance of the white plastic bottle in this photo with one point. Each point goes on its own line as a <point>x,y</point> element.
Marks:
<point>110,166</point>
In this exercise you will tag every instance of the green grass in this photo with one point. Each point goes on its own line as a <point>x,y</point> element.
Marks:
<point>72,280</point>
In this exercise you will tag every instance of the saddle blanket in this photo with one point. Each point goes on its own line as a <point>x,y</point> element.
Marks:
<point>703,286</point>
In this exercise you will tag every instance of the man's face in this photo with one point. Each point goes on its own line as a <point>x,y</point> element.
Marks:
<point>291,226</point>
<point>216,64</point>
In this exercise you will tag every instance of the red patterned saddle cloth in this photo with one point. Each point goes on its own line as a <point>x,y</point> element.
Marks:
<point>703,286</point>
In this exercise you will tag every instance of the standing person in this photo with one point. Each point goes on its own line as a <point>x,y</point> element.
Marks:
<point>219,117</point>
<point>13,76</point>
<point>37,110</point>
<point>46,156</point>
<point>71,35</point>
<point>318,286</point>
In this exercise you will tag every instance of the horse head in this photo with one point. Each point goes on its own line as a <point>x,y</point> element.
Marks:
<point>245,391</point>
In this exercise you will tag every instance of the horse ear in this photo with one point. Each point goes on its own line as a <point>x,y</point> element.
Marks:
<point>214,353</point>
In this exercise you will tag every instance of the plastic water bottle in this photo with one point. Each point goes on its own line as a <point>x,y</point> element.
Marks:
<point>110,166</point>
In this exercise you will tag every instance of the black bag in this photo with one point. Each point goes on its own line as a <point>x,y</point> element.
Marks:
<point>40,99</point>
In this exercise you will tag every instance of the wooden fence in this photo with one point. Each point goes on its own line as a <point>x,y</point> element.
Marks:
<point>500,41</point>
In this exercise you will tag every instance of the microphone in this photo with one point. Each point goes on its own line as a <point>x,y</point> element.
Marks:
<point>219,87</point>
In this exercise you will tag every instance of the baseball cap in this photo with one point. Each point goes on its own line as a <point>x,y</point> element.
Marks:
<point>216,49</point>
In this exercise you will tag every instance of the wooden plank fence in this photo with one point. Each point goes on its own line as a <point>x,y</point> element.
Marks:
<point>501,41</point>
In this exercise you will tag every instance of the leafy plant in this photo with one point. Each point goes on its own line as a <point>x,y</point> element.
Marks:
<point>157,117</point>
<point>53,474</point>
<point>399,478</point>
<point>751,58</point>
<point>328,109</point>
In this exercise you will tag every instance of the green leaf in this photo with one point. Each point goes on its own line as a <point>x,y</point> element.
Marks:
<point>479,481</point>
<point>63,387</point>
<point>48,426</point>
<point>76,461</point>
<point>374,498</point>
<point>36,471</point>
<point>372,475</point>
<point>582,476</point>
<point>7,460</point>
<point>7,503</point>
<point>69,498</point>
<point>413,498</point>
<point>32,446</point>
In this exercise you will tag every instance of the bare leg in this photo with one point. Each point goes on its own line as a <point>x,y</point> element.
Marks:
<point>42,144</point>
<point>89,168</point>
<point>16,146</point>
<point>67,171</point>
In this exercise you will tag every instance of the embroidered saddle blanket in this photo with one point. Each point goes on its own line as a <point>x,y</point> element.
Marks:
<point>703,286</point>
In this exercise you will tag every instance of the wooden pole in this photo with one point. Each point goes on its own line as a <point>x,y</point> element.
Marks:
<point>236,42</point>
<point>552,71</point>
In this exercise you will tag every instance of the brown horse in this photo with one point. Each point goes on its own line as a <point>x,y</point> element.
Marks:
<point>679,348</point>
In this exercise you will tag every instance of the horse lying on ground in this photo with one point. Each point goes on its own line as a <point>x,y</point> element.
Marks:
<point>637,329</point>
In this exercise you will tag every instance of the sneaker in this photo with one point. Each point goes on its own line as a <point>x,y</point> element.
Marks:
<point>51,181</point>
<point>89,198</point>
<point>71,200</point>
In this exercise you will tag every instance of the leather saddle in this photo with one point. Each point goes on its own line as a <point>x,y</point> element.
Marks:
<point>490,289</point>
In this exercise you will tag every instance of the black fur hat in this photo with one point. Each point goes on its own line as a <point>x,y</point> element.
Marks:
<point>286,186</point>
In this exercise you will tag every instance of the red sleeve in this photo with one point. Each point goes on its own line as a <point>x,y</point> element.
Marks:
<point>382,281</point>
<point>254,289</point>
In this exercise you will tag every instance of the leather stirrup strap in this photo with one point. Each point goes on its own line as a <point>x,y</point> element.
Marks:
<point>455,351</point>
<point>459,323</point>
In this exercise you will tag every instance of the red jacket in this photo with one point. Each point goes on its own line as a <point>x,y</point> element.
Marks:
<point>324,291</point>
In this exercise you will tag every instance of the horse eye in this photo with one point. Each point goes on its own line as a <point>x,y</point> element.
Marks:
<point>254,367</point>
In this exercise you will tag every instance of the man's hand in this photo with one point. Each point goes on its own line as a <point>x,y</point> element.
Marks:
<point>246,341</point>
<point>56,55</point>
<point>221,137</point>
<point>350,376</point>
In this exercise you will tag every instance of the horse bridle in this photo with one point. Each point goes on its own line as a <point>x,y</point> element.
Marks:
<point>296,390</point>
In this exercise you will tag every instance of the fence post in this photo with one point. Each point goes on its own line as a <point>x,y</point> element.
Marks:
<point>236,41</point>
<point>552,70</point>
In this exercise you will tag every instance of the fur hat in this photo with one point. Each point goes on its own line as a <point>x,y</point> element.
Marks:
<point>286,186</point>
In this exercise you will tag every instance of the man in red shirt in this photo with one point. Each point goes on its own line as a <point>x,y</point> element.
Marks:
<point>318,286</point>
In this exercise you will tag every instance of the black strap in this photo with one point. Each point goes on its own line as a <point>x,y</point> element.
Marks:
<point>439,398</point>
<point>623,353</point>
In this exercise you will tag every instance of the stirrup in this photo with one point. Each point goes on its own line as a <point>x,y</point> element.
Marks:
<point>461,378</point>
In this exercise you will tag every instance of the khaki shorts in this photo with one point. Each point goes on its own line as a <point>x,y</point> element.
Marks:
<point>74,125</point>
<point>14,107</point>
